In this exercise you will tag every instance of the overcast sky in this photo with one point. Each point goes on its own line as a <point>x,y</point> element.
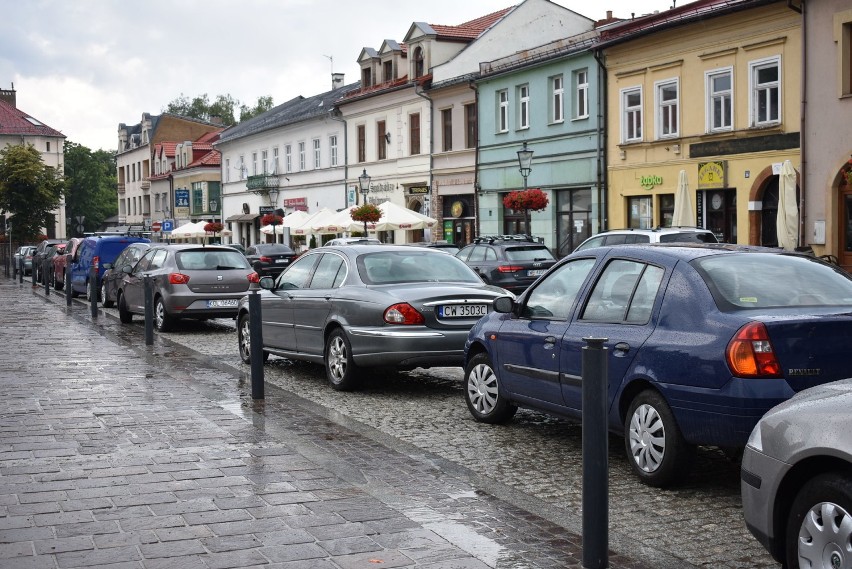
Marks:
<point>84,66</point>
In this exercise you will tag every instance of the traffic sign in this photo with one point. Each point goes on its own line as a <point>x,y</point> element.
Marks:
<point>168,225</point>
<point>156,226</point>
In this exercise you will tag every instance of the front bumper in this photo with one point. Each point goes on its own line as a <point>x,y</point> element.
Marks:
<point>761,475</point>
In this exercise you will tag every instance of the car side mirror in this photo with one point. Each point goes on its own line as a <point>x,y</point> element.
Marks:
<point>107,266</point>
<point>504,304</point>
<point>267,283</point>
<point>127,269</point>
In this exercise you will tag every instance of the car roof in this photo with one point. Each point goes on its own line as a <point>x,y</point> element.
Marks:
<point>685,251</point>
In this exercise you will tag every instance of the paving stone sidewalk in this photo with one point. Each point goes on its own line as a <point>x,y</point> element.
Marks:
<point>114,454</point>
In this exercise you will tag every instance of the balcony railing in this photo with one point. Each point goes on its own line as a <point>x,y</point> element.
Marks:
<point>145,185</point>
<point>120,188</point>
<point>261,182</point>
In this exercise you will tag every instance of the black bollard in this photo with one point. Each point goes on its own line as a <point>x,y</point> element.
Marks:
<point>256,338</point>
<point>595,455</point>
<point>68,279</point>
<point>93,292</point>
<point>21,271</point>
<point>45,268</point>
<point>149,310</point>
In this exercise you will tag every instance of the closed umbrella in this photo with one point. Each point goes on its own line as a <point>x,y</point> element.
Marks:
<point>787,224</point>
<point>684,213</point>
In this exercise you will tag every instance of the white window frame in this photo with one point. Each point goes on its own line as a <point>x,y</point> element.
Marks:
<point>332,149</point>
<point>264,160</point>
<point>288,157</point>
<point>670,108</point>
<point>724,95</point>
<point>503,110</point>
<point>275,159</point>
<point>557,99</point>
<point>302,156</point>
<point>254,163</point>
<point>317,154</point>
<point>762,91</point>
<point>243,169</point>
<point>581,94</point>
<point>523,106</point>
<point>631,115</point>
<point>227,170</point>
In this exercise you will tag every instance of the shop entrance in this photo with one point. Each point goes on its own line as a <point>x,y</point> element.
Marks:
<point>844,238</point>
<point>718,213</point>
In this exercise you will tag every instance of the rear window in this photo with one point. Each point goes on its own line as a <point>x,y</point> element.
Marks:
<point>207,260</point>
<point>529,254</point>
<point>760,280</point>
<point>274,249</point>
<point>689,237</point>
<point>403,267</point>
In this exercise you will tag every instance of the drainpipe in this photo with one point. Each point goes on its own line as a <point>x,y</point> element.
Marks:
<point>602,174</point>
<point>803,109</point>
<point>418,91</point>
<point>334,114</point>
<point>476,186</point>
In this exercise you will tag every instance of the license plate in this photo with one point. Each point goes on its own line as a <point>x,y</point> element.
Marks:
<point>281,260</point>
<point>228,303</point>
<point>462,310</point>
<point>536,272</point>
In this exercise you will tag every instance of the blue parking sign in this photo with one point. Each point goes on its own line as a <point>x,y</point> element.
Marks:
<point>167,225</point>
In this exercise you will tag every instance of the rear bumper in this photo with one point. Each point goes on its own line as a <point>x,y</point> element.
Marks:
<point>418,347</point>
<point>191,306</point>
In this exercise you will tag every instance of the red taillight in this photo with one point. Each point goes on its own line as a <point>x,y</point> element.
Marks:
<point>266,259</point>
<point>96,262</point>
<point>509,268</point>
<point>750,353</point>
<point>403,313</point>
<point>178,278</point>
<point>253,277</point>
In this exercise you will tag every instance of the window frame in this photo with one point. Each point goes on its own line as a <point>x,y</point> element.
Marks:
<point>471,122</point>
<point>711,96</point>
<point>757,91</point>
<point>288,157</point>
<point>581,94</point>
<point>661,108</point>
<point>275,159</point>
<point>627,112</point>
<point>557,99</point>
<point>523,92</point>
<point>302,156</point>
<point>317,153</point>
<point>502,98</point>
<point>361,141</point>
<point>414,134</point>
<point>332,149</point>
<point>447,129</point>
<point>381,141</point>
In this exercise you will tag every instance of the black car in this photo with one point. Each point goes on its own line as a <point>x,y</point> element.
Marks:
<point>513,262</point>
<point>114,272</point>
<point>273,258</point>
<point>40,255</point>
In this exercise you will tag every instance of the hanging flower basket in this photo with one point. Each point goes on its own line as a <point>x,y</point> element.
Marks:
<point>214,227</point>
<point>367,213</point>
<point>526,200</point>
<point>271,219</point>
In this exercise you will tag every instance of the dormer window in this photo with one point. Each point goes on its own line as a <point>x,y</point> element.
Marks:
<point>366,78</point>
<point>419,64</point>
<point>387,71</point>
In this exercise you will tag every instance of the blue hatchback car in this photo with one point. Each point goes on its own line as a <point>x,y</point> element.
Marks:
<point>702,340</point>
<point>96,250</point>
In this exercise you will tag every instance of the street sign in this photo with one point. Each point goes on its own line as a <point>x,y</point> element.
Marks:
<point>167,225</point>
<point>265,209</point>
<point>156,226</point>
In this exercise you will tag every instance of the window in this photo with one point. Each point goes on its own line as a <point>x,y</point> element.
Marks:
<point>264,161</point>
<point>557,93</point>
<point>470,125</point>
<point>419,65</point>
<point>254,163</point>
<point>554,297</point>
<point>47,145</point>
<point>667,108</point>
<point>243,170</point>
<point>332,149</point>
<point>414,133</point>
<point>523,106</point>
<point>288,158</point>
<point>227,169</point>
<point>362,143</point>
<point>625,292</point>
<point>446,130</point>
<point>720,91</point>
<point>316,153</point>
<point>765,92</point>
<point>845,57</point>
<point>581,94</point>
<point>503,110</point>
<point>275,160</point>
<point>301,156</point>
<point>631,114</point>
<point>381,142</point>
<point>387,71</point>
<point>366,78</point>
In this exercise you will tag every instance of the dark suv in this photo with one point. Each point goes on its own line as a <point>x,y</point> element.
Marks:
<point>513,262</point>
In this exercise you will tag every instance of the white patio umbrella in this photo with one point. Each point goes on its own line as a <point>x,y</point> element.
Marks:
<point>684,213</point>
<point>787,223</point>
<point>398,217</point>
<point>295,219</point>
<point>343,220</point>
<point>318,223</point>
<point>189,230</point>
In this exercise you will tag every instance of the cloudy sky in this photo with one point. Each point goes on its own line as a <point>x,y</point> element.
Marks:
<point>84,66</point>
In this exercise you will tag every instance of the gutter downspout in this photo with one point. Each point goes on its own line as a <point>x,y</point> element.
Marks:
<point>602,174</point>
<point>334,114</point>
<point>803,119</point>
<point>420,93</point>
<point>476,186</point>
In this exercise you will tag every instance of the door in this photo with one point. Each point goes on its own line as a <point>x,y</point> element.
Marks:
<point>845,228</point>
<point>573,219</point>
<point>769,214</point>
<point>312,304</point>
<point>277,308</point>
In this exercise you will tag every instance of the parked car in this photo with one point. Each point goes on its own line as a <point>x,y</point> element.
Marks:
<point>24,255</point>
<point>51,254</point>
<point>443,246</point>
<point>238,246</point>
<point>114,272</point>
<point>189,281</point>
<point>273,257</point>
<point>39,256</point>
<point>94,251</point>
<point>797,479</point>
<point>354,307</point>
<point>701,341</point>
<point>60,261</point>
<point>512,262</point>
<point>657,235</point>
<point>353,241</point>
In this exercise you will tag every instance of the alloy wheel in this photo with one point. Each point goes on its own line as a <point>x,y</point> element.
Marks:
<point>337,358</point>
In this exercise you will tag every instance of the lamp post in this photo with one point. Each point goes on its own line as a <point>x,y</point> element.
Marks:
<point>273,200</point>
<point>364,184</point>
<point>524,162</point>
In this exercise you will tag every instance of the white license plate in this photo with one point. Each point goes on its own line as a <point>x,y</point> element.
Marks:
<point>462,310</point>
<point>228,303</point>
<point>536,272</point>
<point>281,260</point>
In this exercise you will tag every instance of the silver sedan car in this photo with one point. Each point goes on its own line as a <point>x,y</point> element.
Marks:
<point>353,307</point>
<point>188,281</point>
<point>797,479</point>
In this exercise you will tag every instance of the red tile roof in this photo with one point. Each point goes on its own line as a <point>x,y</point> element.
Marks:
<point>472,29</point>
<point>14,121</point>
<point>212,158</point>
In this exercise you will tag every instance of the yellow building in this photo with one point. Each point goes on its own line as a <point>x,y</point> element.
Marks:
<point>712,88</point>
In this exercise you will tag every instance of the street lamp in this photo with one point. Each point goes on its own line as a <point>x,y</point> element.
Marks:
<point>273,200</point>
<point>524,161</point>
<point>364,183</point>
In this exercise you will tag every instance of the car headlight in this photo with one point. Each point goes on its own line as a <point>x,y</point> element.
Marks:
<point>755,439</point>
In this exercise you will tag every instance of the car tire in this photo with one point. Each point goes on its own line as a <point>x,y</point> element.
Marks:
<point>819,527</point>
<point>484,394</point>
<point>58,284</point>
<point>340,368</point>
<point>163,321</point>
<point>104,298</point>
<point>655,447</point>
<point>124,315</point>
<point>244,339</point>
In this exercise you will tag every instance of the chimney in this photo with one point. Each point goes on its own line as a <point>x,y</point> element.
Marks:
<point>609,15</point>
<point>216,119</point>
<point>8,95</point>
<point>336,80</point>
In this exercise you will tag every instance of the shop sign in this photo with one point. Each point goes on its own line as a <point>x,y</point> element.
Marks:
<point>712,175</point>
<point>418,190</point>
<point>296,202</point>
<point>382,187</point>
<point>648,182</point>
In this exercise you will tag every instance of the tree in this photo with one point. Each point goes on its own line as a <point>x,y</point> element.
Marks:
<point>263,105</point>
<point>223,107</point>
<point>89,186</point>
<point>29,190</point>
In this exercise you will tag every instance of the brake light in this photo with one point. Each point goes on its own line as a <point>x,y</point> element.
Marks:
<point>509,268</point>
<point>266,259</point>
<point>178,278</point>
<point>403,313</point>
<point>253,277</point>
<point>750,353</point>
<point>96,262</point>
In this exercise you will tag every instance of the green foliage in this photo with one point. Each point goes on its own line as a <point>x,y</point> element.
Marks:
<point>224,107</point>
<point>29,190</point>
<point>90,184</point>
<point>263,105</point>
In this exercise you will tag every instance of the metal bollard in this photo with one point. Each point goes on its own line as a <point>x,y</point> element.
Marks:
<point>21,271</point>
<point>93,297</point>
<point>256,337</point>
<point>595,455</point>
<point>45,267</point>
<point>68,279</point>
<point>149,310</point>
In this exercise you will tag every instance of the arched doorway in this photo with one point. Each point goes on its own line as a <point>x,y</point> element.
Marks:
<point>769,214</point>
<point>844,227</point>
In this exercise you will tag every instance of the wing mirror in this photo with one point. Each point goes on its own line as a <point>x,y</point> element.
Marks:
<point>504,304</point>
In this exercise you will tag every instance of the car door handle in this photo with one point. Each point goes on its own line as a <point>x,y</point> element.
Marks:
<point>550,340</point>
<point>621,347</point>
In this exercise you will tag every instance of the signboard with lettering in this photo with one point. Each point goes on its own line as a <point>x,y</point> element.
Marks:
<point>712,175</point>
<point>266,209</point>
<point>182,202</point>
<point>296,202</point>
<point>414,190</point>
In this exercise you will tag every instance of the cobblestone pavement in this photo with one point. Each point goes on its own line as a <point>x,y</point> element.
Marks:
<point>531,465</point>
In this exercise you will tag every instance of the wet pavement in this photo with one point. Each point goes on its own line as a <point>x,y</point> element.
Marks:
<point>116,454</point>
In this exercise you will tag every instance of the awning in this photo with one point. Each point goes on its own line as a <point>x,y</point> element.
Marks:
<point>243,217</point>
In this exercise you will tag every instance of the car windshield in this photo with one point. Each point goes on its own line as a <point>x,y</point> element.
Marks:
<point>389,267</point>
<point>529,254</point>
<point>689,237</point>
<point>207,260</point>
<point>765,280</point>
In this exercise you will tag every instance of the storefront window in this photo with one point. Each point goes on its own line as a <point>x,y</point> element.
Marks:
<point>640,212</point>
<point>666,209</point>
